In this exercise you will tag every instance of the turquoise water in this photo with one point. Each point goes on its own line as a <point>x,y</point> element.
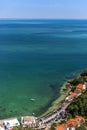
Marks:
<point>36,58</point>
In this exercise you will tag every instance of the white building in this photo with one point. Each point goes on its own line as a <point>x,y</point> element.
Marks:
<point>84,87</point>
<point>28,121</point>
<point>10,123</point>
<point>2,128</point>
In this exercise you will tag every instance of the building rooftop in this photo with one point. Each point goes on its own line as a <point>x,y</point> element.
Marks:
<point>72,123</point>
<point>73,94</point>
<point>10,123</point>
<point>60,127</point>
<point>80,86</point>
<point>28,119</point>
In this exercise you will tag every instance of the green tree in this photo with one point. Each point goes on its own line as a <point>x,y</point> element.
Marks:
<point>79,106</point>
<point>53,126</point>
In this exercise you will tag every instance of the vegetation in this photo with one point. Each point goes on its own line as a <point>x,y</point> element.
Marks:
<point>83,126</point>
<point>53,126</point>
<point>84,73</point>
<point>77,80</point>
<point>62,122</point>
<point>21,128</point>
<point>78,106</point>
<point>81,79</point>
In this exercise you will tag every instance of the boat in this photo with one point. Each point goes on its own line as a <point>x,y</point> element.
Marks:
<point>32,99</point>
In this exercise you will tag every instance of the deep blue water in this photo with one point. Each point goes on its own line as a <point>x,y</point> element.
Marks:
<point>36,58</point>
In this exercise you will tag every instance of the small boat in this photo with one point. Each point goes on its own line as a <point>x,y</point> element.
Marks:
<point>32,99</point>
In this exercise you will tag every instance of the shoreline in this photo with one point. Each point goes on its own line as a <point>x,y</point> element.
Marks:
<point>55,104</point>
<point>51,115</point>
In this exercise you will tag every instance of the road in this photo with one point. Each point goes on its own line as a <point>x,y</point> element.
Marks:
<point>54,116</point>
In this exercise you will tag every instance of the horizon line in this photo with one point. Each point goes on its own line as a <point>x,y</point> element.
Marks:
<point>42,19</point>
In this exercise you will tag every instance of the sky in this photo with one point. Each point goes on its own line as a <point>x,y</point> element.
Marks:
<point>43,9</point>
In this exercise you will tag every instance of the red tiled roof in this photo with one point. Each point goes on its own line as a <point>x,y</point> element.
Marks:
<point>80,86</point>
<point>75,121</point>
<point>60,127</point>
<point>71,123</point>
<point>73,94</point>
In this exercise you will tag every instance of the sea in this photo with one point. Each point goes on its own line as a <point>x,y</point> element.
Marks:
<point>36,58</point>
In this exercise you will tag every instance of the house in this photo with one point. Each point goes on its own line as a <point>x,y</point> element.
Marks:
<point>28,121</point>
<point>84,87</point>
<point>78,91</point>
<point>71,124</point>
<point>10,123</point>
<point>71,96</point>
<point>60,127</point>
<point>81,87</point>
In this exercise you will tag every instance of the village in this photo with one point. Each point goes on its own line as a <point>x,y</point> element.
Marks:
<point>56,116</point>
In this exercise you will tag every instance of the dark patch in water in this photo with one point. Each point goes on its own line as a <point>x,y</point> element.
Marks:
<point>55,89</point>
<point>25,109</point>
<point>11,111</point>
<point>2,109</point>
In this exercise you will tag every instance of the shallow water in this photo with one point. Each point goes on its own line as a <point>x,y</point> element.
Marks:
<point>36,58</point>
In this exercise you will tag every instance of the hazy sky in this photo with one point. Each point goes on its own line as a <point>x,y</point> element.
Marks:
<point>57,9</point>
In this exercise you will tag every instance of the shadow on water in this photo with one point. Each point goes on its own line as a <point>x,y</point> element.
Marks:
<point>54,88</point>
<point>56,93</point>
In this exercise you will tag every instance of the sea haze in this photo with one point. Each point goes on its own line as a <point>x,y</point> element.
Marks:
<point>36,58</point>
